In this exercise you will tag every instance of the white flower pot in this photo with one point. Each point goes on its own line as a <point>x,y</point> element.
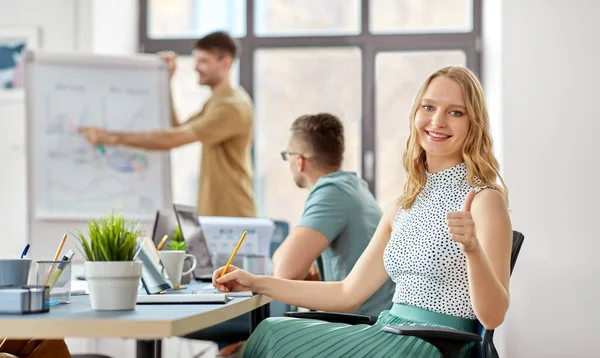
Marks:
<point>113,285</point>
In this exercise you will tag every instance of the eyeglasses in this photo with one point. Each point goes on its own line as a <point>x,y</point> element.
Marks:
<point>285,154</point>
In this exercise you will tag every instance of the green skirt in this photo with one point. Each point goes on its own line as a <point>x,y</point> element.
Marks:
<point>293,337</point>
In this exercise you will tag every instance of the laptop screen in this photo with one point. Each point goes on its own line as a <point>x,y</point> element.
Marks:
<point>187,218</point>
<point>165,223</point>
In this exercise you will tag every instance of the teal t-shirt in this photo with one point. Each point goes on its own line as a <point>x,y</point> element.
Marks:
<point>341,207</point>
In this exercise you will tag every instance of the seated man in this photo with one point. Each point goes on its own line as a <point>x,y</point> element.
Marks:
<point>340,214</point>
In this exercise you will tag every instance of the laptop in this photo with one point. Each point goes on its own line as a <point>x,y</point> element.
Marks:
<point>193,235</point>
<point>165,223</point>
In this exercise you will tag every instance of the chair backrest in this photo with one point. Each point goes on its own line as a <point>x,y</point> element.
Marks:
<point>486,347</point>
<point>282,230</point>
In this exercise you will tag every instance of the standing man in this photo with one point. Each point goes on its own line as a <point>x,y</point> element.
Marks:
<point>224,127</point>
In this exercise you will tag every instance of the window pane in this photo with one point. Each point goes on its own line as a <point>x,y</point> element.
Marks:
<point>394,100</point>
<point>188,98</point>
<point>306,17</point>
<point>400,16</point>
<point>195,18</point>
<point>290,83</point>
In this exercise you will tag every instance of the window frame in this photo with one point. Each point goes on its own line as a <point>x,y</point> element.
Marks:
<point>369,44</point>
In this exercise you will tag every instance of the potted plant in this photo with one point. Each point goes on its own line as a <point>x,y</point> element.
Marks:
<point>179,244</point>
<point>111,271</point>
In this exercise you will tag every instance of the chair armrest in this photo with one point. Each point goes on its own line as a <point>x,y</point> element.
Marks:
<point>333,317</point>
<point>448,341</point>
<point>433,332</point>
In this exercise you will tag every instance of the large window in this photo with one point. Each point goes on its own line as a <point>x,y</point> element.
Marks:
<point>427,16</point>
<point>362,60</point>
<point>188,98</point>
<point>330,83</point>
<point>194,18</point>
<point>306,17</point>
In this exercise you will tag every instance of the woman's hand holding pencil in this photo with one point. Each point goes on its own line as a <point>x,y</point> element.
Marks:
<point>231,278</point>
<point>234,280</point>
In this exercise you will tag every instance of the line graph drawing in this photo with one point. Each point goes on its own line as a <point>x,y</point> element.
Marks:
<point>72,179</point>
<point>72,146</point>
<point>78,175</point>
<point>135,120</point>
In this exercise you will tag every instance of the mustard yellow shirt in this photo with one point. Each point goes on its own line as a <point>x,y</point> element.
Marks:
<point>225,128</point>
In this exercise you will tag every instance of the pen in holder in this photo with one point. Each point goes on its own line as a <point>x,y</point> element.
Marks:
<point>57,276</point>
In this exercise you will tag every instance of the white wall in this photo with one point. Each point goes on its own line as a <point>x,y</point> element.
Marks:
<point>99,26</point>
<point>547,53</point>
<point>58,30</point>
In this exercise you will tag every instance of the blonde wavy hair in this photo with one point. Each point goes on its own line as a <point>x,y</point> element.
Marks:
<point>477,151</point>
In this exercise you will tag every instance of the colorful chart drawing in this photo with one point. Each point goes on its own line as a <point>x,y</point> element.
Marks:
<point>127,162</point>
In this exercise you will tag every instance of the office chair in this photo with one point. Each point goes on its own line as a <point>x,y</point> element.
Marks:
<point>448,341</point>
<point>238,329</point>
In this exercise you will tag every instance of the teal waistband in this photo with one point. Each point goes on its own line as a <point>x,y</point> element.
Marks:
<point>413,313</point>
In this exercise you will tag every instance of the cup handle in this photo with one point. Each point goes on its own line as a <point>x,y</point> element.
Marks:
<point>163,272</point>
<point>193,258</point>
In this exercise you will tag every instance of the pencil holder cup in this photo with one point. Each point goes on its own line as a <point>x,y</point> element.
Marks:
<point>57,276</point>
<point>14,272</point>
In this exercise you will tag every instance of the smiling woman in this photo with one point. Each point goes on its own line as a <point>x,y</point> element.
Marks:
<point>446,245</point>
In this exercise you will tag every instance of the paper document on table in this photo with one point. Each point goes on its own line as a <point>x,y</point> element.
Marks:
<point>79,288</point>
<point>209,289</point>
<point>183,298</point>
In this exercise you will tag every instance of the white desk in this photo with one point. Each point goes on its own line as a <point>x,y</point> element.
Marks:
<point>147,323</point>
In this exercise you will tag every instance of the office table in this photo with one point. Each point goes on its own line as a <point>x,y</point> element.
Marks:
<point>147,323</point>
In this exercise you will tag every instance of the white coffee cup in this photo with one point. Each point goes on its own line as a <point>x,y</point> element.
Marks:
<point>172,261</point>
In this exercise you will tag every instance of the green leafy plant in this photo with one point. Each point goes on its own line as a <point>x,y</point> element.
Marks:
<point>110,239</point>
<point>177,243</point>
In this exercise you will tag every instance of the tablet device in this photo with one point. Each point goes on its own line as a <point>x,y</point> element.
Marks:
<point>187,219</point>
<point>153,280</point>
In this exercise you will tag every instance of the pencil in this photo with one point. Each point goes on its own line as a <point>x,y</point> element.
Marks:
<point>56,257</point>
<point>233,254</point>
<point>161,243</point>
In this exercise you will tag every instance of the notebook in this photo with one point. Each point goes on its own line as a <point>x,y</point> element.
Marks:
<point>182,298</point>
<point>209,289</point>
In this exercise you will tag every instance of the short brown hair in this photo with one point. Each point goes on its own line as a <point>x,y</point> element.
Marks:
<point>324,134</point>
<point>220,43</point>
